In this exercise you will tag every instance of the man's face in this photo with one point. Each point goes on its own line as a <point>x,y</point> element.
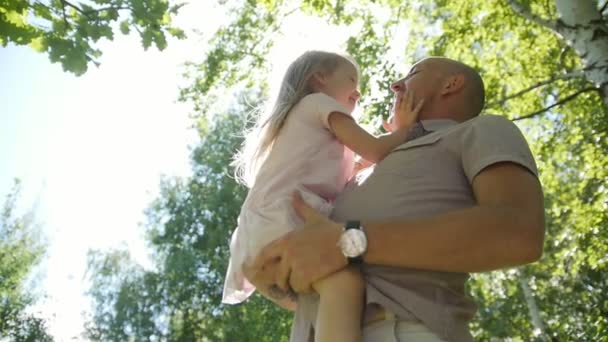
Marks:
<point>423,79</point>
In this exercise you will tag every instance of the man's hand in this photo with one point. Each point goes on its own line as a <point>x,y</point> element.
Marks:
<point>307,254</point>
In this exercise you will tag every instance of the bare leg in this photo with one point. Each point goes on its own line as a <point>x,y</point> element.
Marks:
<point>341,306</point>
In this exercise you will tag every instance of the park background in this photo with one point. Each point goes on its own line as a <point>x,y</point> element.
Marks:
<point>119,119</point>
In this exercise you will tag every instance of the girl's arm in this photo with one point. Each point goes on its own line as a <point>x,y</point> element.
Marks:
<point>369,147</point>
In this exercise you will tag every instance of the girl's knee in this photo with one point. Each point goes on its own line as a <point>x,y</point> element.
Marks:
<point>352,275</point>
<point>348,279</point>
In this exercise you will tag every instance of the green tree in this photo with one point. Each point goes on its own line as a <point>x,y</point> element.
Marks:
<point>545,65</point>
<point>188,232</point>
<point>68,31</point>
<point>20,251</point>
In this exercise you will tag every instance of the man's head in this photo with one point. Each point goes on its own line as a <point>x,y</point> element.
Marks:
<point>450,89</point>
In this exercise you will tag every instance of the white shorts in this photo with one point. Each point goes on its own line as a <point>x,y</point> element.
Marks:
<point>393,330</point>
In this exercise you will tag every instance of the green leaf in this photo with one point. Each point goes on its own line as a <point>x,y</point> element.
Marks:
<point>39,44</point>
<point>81,25</point>
<point>177,32</point>
<point>146,38</point>
<point>124,26</point>
<point>15,18</point>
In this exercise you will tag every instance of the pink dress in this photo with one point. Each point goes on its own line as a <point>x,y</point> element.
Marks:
<point>306,156</point>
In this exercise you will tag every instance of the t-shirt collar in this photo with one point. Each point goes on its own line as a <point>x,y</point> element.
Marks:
<point>438,124</point>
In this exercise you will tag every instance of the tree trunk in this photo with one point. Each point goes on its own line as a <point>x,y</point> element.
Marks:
<point>586,31</point>
<point>537,322</point>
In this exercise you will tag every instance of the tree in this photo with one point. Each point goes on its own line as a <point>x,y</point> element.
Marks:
<point>188,232</point>
<point>20,252</point>
<point>545,65</point>
<point>68,31</point>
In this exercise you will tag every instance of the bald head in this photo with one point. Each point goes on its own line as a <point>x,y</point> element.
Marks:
<point>471,92</point>
<point>450,89</point>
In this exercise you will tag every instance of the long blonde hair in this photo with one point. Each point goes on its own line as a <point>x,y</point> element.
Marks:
<point>295,86</point>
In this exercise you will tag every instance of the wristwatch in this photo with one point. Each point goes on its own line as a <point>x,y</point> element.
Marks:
<point>353,242</point>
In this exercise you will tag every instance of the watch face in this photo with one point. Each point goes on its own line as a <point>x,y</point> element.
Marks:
<point>353,243</point>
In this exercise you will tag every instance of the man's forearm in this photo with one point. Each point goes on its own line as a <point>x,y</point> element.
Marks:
<point>480,238</point>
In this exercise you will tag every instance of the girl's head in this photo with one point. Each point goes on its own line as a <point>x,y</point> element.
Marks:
<point>314,71</point>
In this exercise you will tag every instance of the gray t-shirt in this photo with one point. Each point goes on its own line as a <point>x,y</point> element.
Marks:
<point>427,176</point>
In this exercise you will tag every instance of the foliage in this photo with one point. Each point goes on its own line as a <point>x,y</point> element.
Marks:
<point>188,232</point>
<point>533,76</point>
<point>69,31</point>
<point>20,251</point>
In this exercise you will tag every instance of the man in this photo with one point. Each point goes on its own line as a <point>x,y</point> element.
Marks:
<point>463,197</point>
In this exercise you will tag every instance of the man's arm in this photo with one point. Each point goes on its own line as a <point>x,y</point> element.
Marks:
<point>505,228</point>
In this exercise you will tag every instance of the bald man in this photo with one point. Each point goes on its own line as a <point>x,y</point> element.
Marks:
<point>463,196</point>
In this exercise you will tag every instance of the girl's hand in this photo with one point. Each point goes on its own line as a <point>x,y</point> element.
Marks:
<point>405,110</point>
<point>389,125</point>
<point>263,277</point>
<point>360,164</point>
<point>305,255</point>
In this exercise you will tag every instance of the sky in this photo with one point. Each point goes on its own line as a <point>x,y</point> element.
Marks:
<point>90,150</point>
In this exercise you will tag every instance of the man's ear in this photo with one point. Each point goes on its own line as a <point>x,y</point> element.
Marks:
<point>452,84</point>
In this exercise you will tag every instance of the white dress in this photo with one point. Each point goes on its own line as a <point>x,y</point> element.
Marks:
<point>306,156</point>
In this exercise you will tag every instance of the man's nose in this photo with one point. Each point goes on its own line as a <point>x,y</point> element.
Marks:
<point>357,95</point>
<point>398,86</point>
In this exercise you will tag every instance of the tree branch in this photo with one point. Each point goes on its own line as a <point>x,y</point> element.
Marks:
<point>604,8</point>
<point>534,86</point>
<point>523,12</point>
<point>78,9</point>
<point>65,17</point>
<point>558,103</point>
<point>117,8</point>
<point>275,29</point>
<point>65,3</point>
<point>138,30</point>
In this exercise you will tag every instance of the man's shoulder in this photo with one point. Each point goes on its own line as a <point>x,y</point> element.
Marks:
<point>489,120</point>
<point>481,122</point>
<point>484,130</point>
<point>488,125</point>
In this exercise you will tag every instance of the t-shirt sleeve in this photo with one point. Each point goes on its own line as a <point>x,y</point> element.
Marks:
<point>315,109</point>
<point>493,139</point>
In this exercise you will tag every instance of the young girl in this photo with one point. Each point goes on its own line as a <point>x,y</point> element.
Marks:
<point>306,143</point>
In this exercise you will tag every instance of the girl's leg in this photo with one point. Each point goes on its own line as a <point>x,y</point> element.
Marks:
<point>341,306</point>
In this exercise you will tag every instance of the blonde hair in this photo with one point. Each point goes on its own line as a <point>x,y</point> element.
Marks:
<point>295,86</point>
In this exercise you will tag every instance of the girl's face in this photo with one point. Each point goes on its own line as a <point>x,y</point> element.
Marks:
<point>341,84</point>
